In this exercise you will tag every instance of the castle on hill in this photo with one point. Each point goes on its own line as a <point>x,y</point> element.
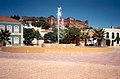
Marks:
<point>69,22</point>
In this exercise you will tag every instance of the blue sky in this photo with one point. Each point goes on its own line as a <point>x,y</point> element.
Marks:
<point>99,13</point>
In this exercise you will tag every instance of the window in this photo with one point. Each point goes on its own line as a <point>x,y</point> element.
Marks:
<point>9,27</point>
<point>16,40</point>
<point>117,41</point>
<point>10,39</point>
<point>113,36</point>
<point>117,34</point>
<point>118,38</point>
<point>16,29</point>
<point>107,35</point>
<point>2,27</point>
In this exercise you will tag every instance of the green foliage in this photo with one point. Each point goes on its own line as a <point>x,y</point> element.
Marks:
<point>51,16</point>
<point>84,37</point>
<point>70,35</point>
<point>36,24</point>
<point>28,35</point>
<point>78,20</point>
<point>51,36</point>
<point>99,35</point>
<point>67,26</point>
<point>38,35</point>
<point>4,37</point>
<point>117,38</point>
<point>90,27</point>
<point>16,17</point>
<point>41,23</point>
<point>67,36</point>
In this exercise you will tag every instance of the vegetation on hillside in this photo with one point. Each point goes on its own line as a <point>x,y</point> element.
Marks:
<point>41,23</point>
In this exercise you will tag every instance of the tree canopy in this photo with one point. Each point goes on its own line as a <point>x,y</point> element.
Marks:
<point>67,36</point>
<point>28,35</point>
<point>51,36</point>
<point>84,36</point>
<point>99,35</point>
<point>41,23</point>
<point>70,35</point>
<point>16,17</point>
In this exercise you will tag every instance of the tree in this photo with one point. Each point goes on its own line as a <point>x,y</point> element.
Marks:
<point>35,24</point>
<point>99,35</point>
<point>84,36</point>
<point>51,36</point>
<point>51,16</point>
<point>67,25</point>
<point>16,17</point>
<point>38,36</point>
<point>67,36</point>
<point>71,33</point>
<point>4,37</point>
<point>41,23</point>
<point>28,35</point>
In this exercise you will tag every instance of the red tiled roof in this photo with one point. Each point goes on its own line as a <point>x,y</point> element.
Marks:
<point>8,19</point>
<point>118,27</point>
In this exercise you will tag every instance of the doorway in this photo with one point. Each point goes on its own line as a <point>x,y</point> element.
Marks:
<point>108,42</point>
<point>112,42</point>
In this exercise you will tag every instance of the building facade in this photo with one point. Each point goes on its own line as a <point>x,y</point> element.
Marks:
<point>15,27</point>
<point>110,36</point>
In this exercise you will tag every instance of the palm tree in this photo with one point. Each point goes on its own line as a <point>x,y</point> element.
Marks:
<point>84,36</point>
<point>99,35</point>
<point>4,37</point>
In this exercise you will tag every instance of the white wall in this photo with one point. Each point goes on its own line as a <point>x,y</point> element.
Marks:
<point>110,31</point>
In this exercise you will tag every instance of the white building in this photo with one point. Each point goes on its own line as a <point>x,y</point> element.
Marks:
<point>110,36</point>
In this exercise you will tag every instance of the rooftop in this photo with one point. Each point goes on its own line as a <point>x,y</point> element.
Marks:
<point>8,19</point>
<point>118,27</point>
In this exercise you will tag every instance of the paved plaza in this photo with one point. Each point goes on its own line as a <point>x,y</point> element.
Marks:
<point>60,65</point>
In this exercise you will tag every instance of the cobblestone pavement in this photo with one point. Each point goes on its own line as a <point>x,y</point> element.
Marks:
<point>60,65</point>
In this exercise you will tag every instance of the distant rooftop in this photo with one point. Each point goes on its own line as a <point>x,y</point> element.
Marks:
<point>117,27</point>
<point>8,19</point>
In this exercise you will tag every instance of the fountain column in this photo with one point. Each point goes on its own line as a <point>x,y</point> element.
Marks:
<point>59,14</point>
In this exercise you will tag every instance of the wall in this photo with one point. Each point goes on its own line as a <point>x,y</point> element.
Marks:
<point>110,31</point>
<point>30,49</point>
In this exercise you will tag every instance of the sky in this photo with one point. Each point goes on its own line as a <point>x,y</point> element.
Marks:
<point>99,13</point>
